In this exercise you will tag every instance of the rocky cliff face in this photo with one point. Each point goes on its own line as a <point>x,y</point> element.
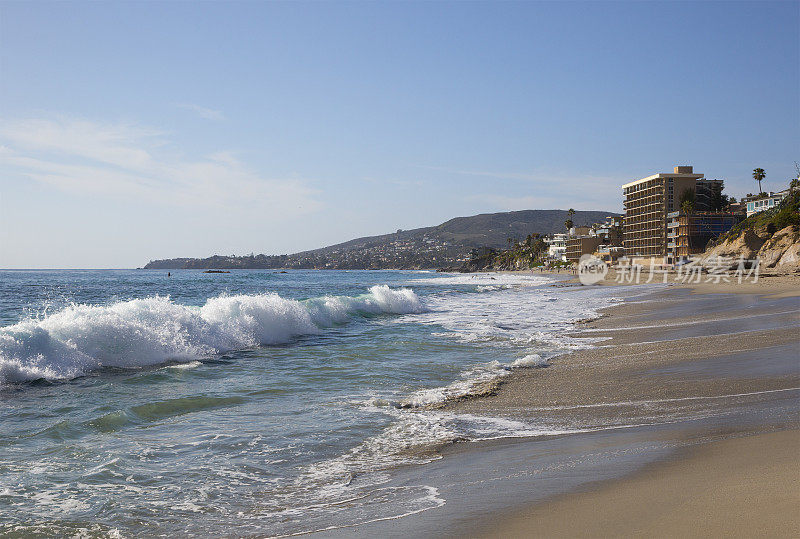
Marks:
<point>778,252</point>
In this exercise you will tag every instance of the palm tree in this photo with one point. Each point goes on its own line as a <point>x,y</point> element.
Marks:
<point>568,223</point>
<point>687,200</point>
<point>758,175</point>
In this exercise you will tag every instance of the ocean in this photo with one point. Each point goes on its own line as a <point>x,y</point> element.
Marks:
<point>269,403</point>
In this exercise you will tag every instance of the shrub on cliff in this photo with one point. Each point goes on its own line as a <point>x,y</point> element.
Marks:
<point>787,213</point>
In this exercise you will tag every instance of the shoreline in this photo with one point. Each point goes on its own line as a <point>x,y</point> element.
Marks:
<point>659,352</point>
<point>652,501</point>
<point>787,284</point>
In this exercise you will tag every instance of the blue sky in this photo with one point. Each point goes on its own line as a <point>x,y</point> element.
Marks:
<point>135,131</point>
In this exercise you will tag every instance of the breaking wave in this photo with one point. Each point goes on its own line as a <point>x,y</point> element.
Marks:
<point>149,331</point>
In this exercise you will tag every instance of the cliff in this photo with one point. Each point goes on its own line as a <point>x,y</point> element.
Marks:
<point>773,236</point>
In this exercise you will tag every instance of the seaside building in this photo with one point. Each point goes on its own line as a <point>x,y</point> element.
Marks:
<point>578,246</point>
<point>557,247</point>
<point>708,192</point>
<point>609,253</point>
<point>648,201</point>
<point>737,207</point>
<point>689,233</point>
<point>764,201</point>
<point>582,230</point>
<point>606,228</point>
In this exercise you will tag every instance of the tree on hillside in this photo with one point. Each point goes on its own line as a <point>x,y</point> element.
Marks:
<point>568,223</point>
<point>616,236</point>
<point>758,175</point>
<point>718,201</point>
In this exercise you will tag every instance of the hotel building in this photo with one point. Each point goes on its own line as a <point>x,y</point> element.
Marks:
<point>689,234</point>
<point>647,203</point>
<point>578,246</point>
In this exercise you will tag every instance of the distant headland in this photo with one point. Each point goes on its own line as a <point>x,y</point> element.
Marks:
<point>449,244</point>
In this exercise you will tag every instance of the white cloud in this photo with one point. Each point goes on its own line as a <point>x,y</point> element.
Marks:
<point>90,158</point>
<point>203,112</point>
<point>110,144</point>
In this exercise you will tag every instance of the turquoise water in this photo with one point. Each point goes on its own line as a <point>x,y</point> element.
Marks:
<point>278,403</point>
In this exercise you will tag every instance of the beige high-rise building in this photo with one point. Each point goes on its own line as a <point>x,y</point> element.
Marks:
<point>647,203</point>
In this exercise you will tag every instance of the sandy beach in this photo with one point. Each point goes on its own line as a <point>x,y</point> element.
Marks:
<point>771,283</point>
<point>681,419</point>
<point>679,348</point>
<point>739,487</point>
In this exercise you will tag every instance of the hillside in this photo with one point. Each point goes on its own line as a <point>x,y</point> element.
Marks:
<point>444,245</point>
<point>773,236</point>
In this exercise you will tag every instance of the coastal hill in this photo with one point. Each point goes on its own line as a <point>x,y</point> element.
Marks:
<point>447,244</point>
<point>773,236</point>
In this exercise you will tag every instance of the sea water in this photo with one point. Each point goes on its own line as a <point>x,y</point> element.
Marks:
<point>254,402</point>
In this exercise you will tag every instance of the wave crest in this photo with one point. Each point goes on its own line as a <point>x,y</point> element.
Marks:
<point>148,331</point>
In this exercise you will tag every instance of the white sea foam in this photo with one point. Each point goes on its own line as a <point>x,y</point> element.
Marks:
<point>532,321</point>
<point>405,441</point>
<point>485,279</point>
<point>185,366</point>
<point>148,331</point>
<point>531,360</point>
<point>471,382</point>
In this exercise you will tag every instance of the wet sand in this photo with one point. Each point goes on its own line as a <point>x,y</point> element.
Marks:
<point>687,350</point>
<point>683,420</point>
<point>673,329</point>
<point>766,283</point>
<point>740,487</point>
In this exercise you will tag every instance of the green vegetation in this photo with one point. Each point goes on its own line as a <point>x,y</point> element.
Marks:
<point>787,213</point>
<point>568,223</point>
<point>445,245</point>
<point>687,201</point>
<point>529,253</point>
<point>718,201</point>
<point>522,254</point>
